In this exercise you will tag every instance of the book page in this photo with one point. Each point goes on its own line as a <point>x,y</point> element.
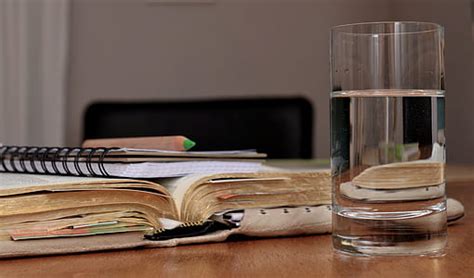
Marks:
<point>177,169</point>
<point>179,186</point>
<point>200,198</point>
<point>13,180</point>
<point>280,187</point>
<point>13,184</point>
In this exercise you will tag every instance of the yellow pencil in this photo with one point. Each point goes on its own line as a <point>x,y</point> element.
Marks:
<point>169,143</point>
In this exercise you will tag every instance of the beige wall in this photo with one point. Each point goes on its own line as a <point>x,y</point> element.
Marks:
<point>128,49</point>
<point>455,16</point>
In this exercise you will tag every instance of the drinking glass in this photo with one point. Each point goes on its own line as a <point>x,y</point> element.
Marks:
<point>387,138</point>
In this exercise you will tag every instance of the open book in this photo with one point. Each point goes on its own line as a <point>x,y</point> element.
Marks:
<point>41,214</point>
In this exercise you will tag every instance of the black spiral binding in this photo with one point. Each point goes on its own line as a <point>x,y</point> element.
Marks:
<point>18,158</point>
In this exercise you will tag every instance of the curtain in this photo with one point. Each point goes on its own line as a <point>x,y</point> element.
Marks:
<point>33,53</point>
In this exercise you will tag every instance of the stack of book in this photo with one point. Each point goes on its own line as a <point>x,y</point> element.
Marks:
<point>113,195</point>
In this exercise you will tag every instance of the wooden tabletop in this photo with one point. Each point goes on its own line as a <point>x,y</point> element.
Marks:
<point>310,256</point>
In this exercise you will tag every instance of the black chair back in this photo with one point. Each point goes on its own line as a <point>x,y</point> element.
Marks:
<point>280,127</point>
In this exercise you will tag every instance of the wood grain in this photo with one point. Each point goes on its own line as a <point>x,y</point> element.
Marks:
<point>310,256</point>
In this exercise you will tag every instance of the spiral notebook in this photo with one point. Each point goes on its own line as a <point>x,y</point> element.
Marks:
<point>124,162</point>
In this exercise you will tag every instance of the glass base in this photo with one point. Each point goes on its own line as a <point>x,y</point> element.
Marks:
<point>360,247</point>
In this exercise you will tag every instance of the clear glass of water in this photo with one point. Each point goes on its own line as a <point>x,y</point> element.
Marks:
<point>387,138</point>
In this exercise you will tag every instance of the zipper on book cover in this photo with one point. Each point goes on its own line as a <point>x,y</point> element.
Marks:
<point>188,229</point>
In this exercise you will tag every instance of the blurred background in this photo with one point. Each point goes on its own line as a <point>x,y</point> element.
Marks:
<point>59,56</point>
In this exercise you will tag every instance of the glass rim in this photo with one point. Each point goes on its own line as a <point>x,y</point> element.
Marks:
<point>342,29</point>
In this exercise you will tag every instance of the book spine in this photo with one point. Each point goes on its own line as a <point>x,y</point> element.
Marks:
<point>54,160</point>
